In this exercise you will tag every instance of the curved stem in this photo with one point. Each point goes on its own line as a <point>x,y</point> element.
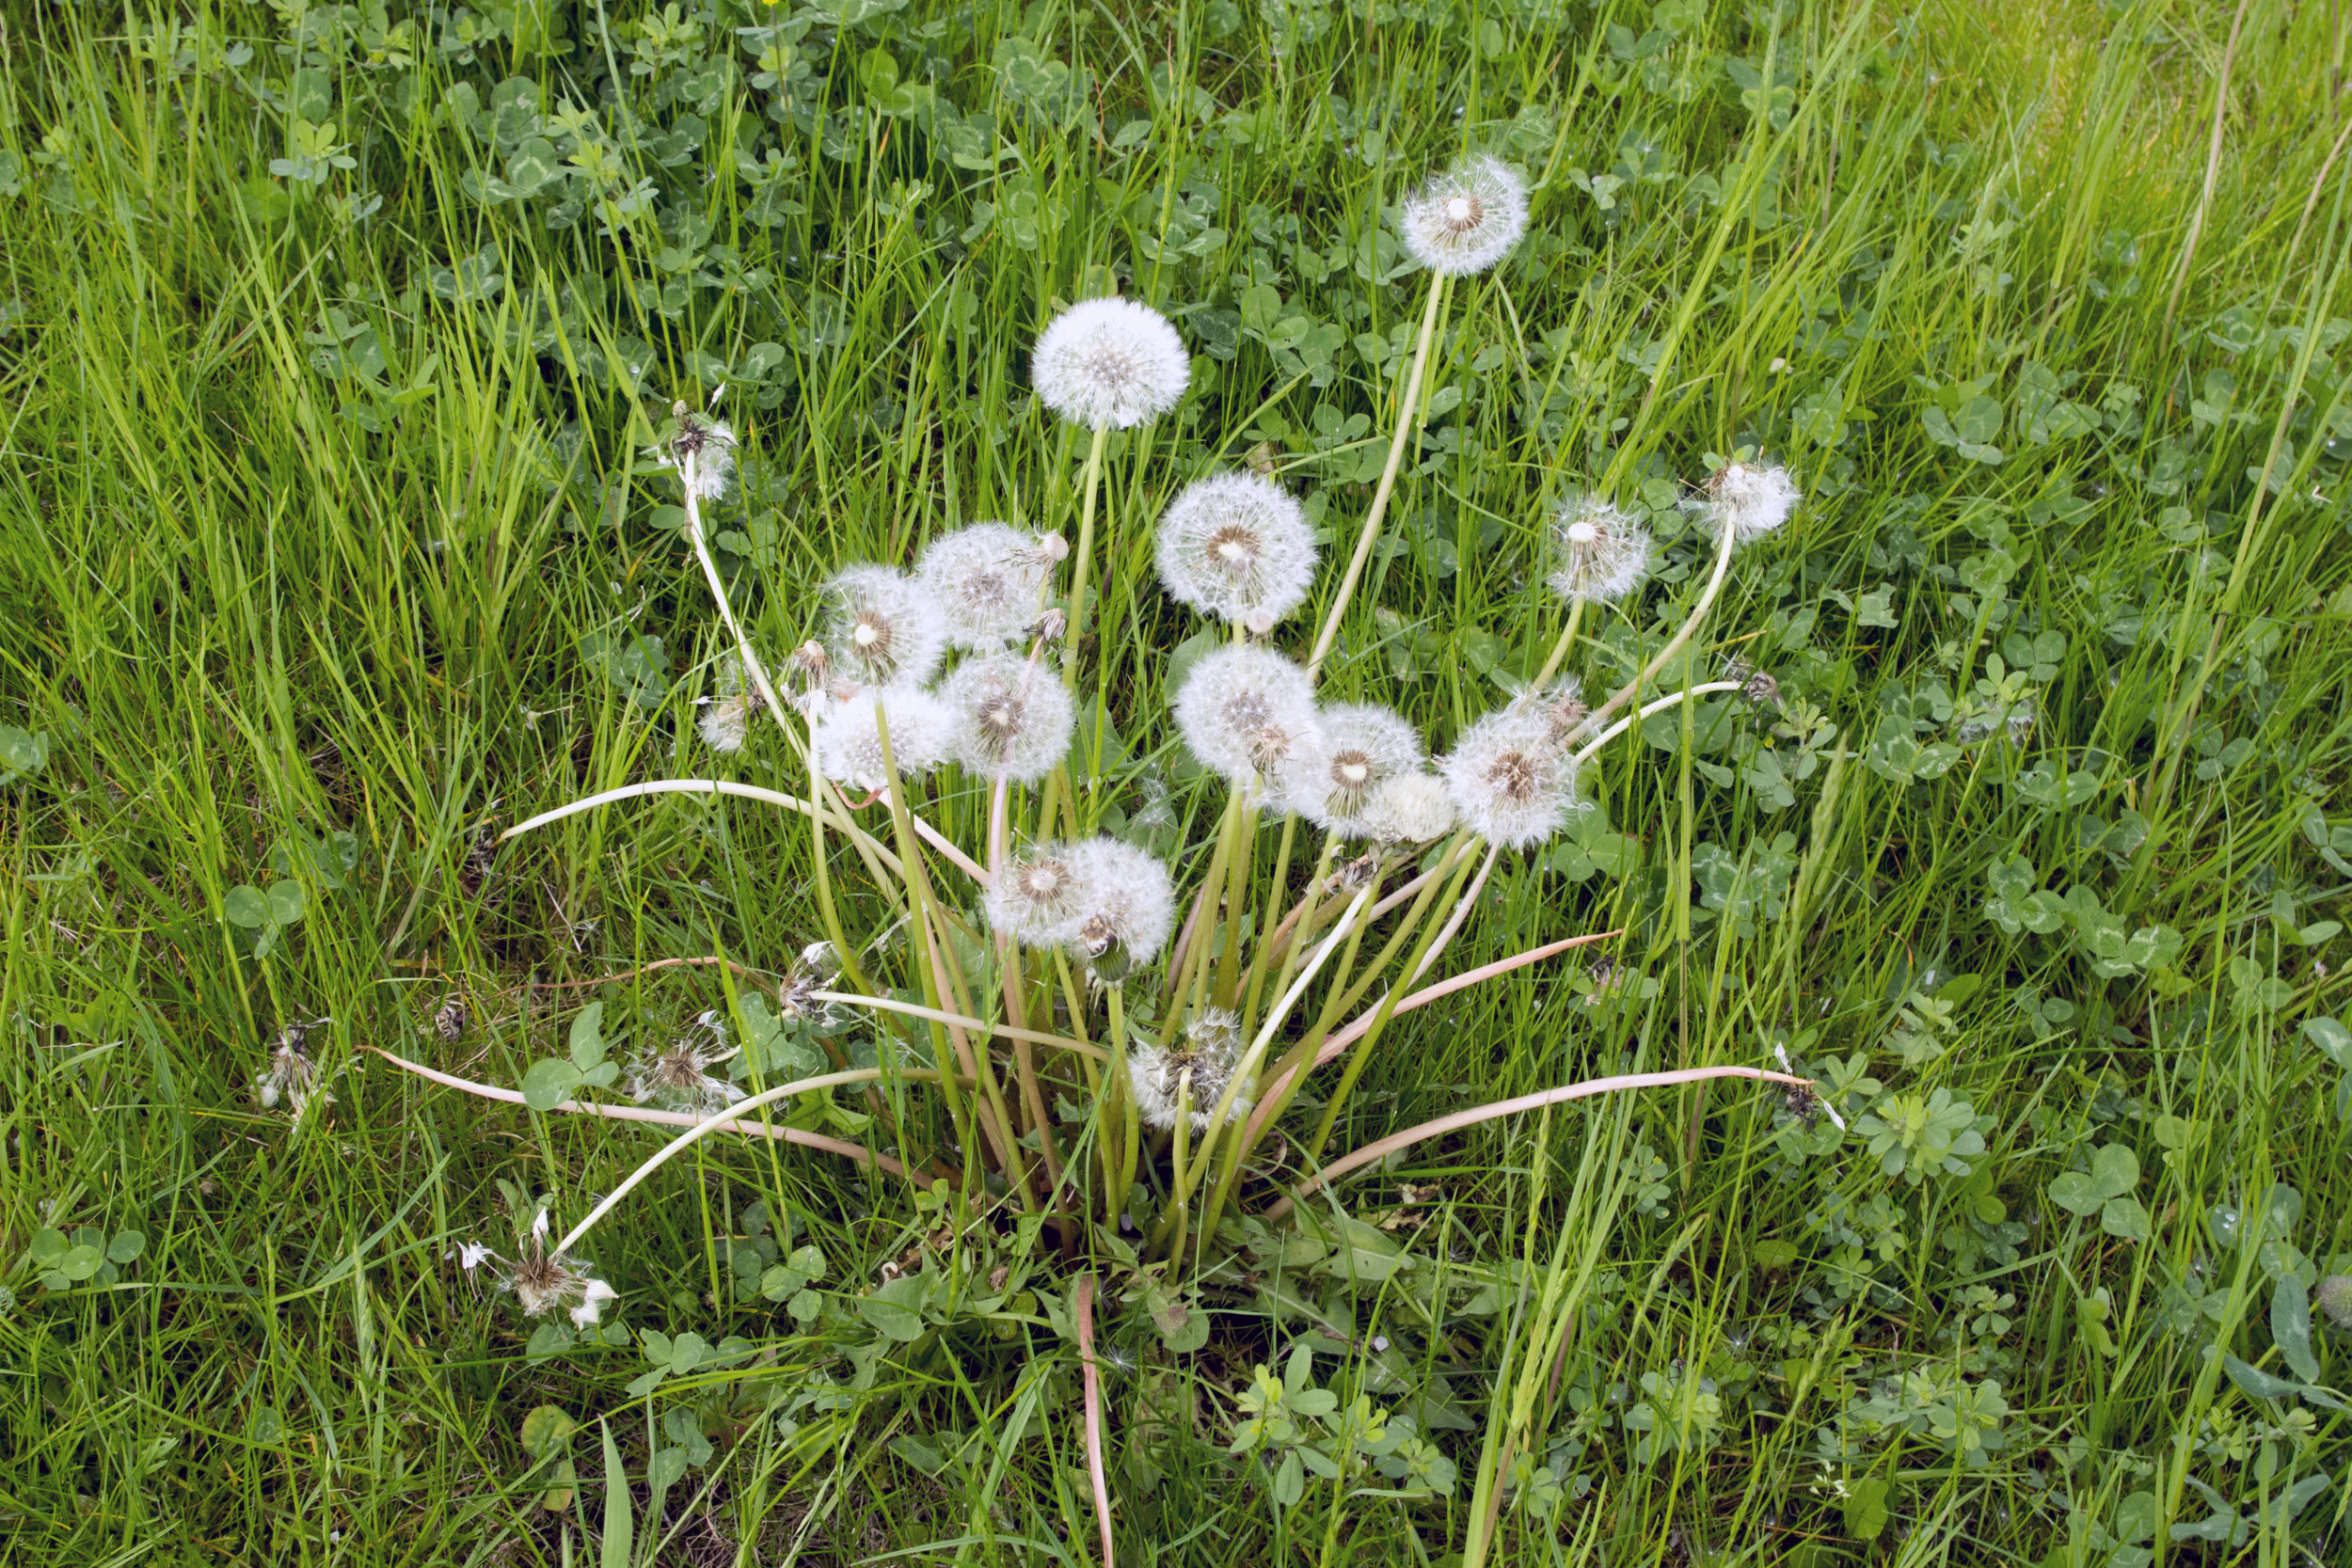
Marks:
<point>1382,1149</point>
<point>935,1015</point>
<point>1585,753</point>
<point>1560,649</point>
<point>1082,1309</point>
<point>1407,422</point>
<point>1627,692</point>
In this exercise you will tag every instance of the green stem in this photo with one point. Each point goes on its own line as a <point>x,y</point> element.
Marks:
<point>1560,649</point>
<point>1266,945</point>
<point>1238,869</point>
<point>1407,422</point>
<point>1082,561</point>
<point>1131,1132</point>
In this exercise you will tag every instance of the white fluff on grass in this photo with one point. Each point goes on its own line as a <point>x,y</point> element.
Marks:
<point>848,736</point>
<point>1603,553</point>
<point>1466,219</point>
<point>989,580</point>
<point>1511,776</point>
<point>1010,719</point>
<point>882,628</point>
<point>1236,547</point>
<point>1110,364</point>
<point>1246,711</point>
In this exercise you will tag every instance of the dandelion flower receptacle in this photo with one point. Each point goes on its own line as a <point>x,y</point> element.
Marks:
<point>1364,746</point>
<point>1110,364</point>
<point>1036,898</point>
<point>1467,219</point>
<point>702,450</point>
<point>1124,909</point>
<point>726,718</point>
<point>848,736</point>
<point>1602,552</point>
<point>1238,548</point>
<point>1193,1074</point>
<point>677,1077</point>
<point>1410,808</point>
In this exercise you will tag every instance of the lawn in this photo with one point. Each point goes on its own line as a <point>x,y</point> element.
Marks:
<point>365,363</point>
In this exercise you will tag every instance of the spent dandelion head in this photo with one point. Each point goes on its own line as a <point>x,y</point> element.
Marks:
<point>1236,547</point>
<point>882,628</point>
<point>701,449</point>
<point>1245,711</point>
<point>1191,1074</point>
<point>1006,720</point>
<point>1110,364</point>
<point>290,1076</point>
<point>677,1077</point>
<point>1602,551</point>
<point>1409,808</point>
<point>988,580</point>
<point>726,718</point>
<point>1511,776</point>
<point>1363,747</point>
<point>1036,898</point>
<point>2334,1300</point>
<point>849,735</point>
<point>1750,499</point>
<point>1124,908</point>
<point>1466,219</point>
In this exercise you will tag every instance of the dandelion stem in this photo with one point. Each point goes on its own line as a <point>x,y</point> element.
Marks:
<point>1407,422</point>
<point>1631,688</point>
<point>1274,895</point>
<point>1082,1307</point>
<point>1560,649</point>
<point>1131,1130</point>
<point>1082,561</point>
<point>935,1015</point>
<point>1584,753</point>
<point>1383,1147</point>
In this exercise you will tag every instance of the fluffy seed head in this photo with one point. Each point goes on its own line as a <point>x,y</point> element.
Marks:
<point>882,628</point>
<point>1193,1074</point>
<point>726,718</point>
<point>1036,898</point>
<point>849,735</point>
<point>1409,808</point>
<point>1603,553</point>
<point>1111,363</point>
<point>677,1077</point>
<point>1245,711</point>
<point>1008,720</point>
<point>1124,907</point>
<point>1237,547</point>
<point>1466,219</point>
<point>1750,499</point>
<point>988,580</point>
<point>702,451</point>
<point>1511,776</point>
<point>1364,746</point>
<point>2334,1298</point>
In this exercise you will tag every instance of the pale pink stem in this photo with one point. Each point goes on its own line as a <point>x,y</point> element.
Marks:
<point>1082,1307</point>
<point>666,1118</point>
<point>996,831</point>
<point>956,1021</point>
<point>1382,1149</point>
<point>1454,921</point>
<point>1338,1043</point>
<point>939,841</point>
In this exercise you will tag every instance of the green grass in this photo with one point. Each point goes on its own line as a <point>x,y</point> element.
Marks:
<point>309,529</point>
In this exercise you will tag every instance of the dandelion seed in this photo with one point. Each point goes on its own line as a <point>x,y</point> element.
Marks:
<point>702,450</point>
<point>727,719</point>
<point>1035,899</point>
<point>1363,746</point>
<point>1750,500</point>
<point>884,628</point>
<point>291,1075</point>
<point>2334,1299</point>
<point>1756,686</point>
<point>1125,907</point>
<point>677,1078</point>
<point>1008,721</point>
<point>848,736</point>
<point>1409,808</point>
<point>591,1300</point>
<point>1198,1071</point>
<point>988,580</point>
<point>1511,776</point>
<point>1244,711</point>
<point>1466,219</point>
<point>1603,552</point>
<point>472,1255</point>
<point>1111,363</point>
<point>1236,547</point>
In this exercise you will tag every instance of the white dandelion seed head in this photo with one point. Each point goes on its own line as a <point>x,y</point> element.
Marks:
<point>882,627</point>
<point>1192,1075</point>
<point>702,452</point>
<point>1362,746</point>
<point>849,735</point>
<point>1603,552</point>
<point>1125,907</point>
<point>1037,898</point>
<point>591,1299</point>
<point>1236,547</point>
<point>1245,711</point>
<point>726,718</point>
<point>1111,363</point>
<point>1008,719</point>
<point>1750,499</point>
<point>1511,776</point>
<point>1409,808</point>
<point>988,580</point>
<point>1466,219</point>
<point>677,1077</point>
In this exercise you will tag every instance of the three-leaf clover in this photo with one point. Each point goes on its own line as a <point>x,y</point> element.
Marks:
<point>266,915</point>
<point>552,1080</point>
<point>2103,1190</point>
